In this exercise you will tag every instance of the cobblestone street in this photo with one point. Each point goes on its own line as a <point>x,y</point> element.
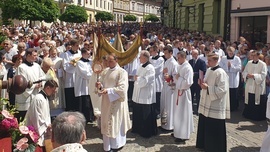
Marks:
<point>242,136</point>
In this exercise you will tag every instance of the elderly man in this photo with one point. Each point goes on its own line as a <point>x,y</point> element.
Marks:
<point>115,120</point>
<point>68,131</point>
<point>8,52</point>
<point>144,97</point>
<point>199,68</point>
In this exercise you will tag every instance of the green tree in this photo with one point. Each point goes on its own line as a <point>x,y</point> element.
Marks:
<point>104,16</point>
<point>152,18</point>
<point>130,17</point>
<point>35,10</point>
<point>74,14</point>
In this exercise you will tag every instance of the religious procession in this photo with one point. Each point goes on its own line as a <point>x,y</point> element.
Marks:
<point>145,79</point>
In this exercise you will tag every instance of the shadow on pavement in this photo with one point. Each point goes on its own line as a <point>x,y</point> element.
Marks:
<point>92,131</point>
<point>259,126</point>
<point>245,149</point>
<point>173,148</point>
<point>94,147</point>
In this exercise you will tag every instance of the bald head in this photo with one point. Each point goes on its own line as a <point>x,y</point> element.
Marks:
<point>195,54</point>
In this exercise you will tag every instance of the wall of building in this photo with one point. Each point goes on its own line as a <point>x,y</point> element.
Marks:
<point>191,17</point>
<point>248,8</point>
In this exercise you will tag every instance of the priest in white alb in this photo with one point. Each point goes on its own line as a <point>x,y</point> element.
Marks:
<point>183,114</point>
<point>115,121</point>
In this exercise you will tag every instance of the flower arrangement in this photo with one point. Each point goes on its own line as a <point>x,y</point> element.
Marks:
<point>24,138</point>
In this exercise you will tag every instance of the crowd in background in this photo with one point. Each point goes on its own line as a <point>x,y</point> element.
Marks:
<point>54,49</point>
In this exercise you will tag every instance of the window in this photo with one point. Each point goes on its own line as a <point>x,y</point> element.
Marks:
<point>96,3</point>
<point>133,6</point>
<point>100,4</point>
<point>104,5</point>
<point>90,2</point>
<point>254,28</point>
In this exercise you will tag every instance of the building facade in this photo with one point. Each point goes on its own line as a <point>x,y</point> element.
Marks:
<point>201,15</point>
<point>119,8</point>
<point>250,19</point>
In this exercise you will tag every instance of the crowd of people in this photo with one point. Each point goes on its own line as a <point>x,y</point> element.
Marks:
<point>177,74</point>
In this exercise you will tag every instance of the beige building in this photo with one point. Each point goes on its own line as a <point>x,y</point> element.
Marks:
<point>250,19</point>
<point>119,8</point>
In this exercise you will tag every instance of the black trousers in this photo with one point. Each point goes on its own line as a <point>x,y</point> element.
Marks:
<point>71,102</point>
<point>211,135</point>
<point>234,103</point>
<point>157,104</point>
<point>86,108</point>
<point>195,94</point>
<point>130,90</point>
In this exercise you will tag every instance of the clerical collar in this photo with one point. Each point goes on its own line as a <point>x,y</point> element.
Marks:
<point>73,52</point>
<point>180,49</point>
<point>255,62</point>
<point>145,64</point>
<point>84,60</point>
<point>188,52</point>
<point>155,57</point>
<point>228,57</point>
<point>114,68</point>
<point>28,63</point>
<point>44,94</point>
<point>214,68</point>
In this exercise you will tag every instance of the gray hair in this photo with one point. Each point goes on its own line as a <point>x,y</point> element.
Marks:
<point>68,127</point>
<point>145,54</point>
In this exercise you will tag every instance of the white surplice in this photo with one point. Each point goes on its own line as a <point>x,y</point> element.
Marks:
<point>83,72</point>
<point>167,99</point>
<point>233,71</point>
<point>158,65</point>
<point>144,87</point>
<point>31,73</point>
<point>183,116</point>
<point>69,68</point>
<point>257,85</point>
<point>38,115</point>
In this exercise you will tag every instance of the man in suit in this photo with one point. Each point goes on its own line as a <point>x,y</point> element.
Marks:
<point>199,68</point>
